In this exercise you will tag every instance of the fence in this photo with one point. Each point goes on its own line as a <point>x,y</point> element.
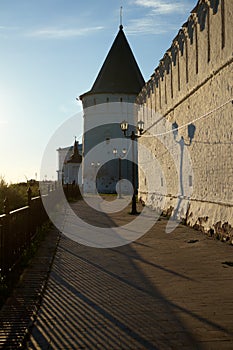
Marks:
<point>19,227</point>
<point>17,230</point>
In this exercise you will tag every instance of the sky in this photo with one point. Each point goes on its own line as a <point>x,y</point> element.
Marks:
<point>51,53</point>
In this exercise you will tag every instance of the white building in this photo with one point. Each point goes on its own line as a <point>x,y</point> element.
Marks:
<point>69,161</point>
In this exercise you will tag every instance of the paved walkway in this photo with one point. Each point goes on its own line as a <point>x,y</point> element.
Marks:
<point>164,291</point>
<point>21,307</point>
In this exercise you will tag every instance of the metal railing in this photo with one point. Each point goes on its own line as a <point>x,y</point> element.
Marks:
<point>19,227</point>
<point>17,230</point>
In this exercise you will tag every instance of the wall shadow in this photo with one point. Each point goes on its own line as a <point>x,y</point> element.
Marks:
<point>112,299</point>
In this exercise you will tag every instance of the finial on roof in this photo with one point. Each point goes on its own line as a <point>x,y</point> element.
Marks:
<point>121,26</point>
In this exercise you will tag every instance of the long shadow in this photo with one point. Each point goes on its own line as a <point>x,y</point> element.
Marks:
<point>148,290</point>
<point>103,299</point>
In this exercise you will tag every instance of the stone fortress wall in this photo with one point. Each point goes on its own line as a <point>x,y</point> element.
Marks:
<point>187,110</point>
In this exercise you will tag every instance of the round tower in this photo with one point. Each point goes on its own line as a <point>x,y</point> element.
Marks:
<point>110,100</point>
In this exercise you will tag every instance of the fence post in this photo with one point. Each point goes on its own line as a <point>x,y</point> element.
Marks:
<point>29,229</point>
<point>6,206</point>
<point>6,239</point>
<point>29,193</point>
<point>2,249</point>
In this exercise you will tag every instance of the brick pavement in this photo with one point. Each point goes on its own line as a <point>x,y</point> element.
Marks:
<point>160,292</point>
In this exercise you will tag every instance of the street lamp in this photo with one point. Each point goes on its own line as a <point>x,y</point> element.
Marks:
<point>119,167</point>
<point>124,127</point>
<point>95,166</point>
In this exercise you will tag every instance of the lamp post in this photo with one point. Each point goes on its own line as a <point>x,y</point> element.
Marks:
<point>94,166</point>
<point>119,167</point>
<point>124,127</point>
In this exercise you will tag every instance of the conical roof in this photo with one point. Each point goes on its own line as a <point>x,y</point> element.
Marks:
<point>120,72</point>
<point>75,157</point>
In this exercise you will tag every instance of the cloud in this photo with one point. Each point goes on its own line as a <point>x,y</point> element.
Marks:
<point>164,7</point>
<point>6,31</point>
<point>146,25</point>
<point>7,28</point>
<point>157,16</point>
<point>57,33</point>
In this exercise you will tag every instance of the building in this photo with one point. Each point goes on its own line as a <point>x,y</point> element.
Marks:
<point>110,100</point>
<point>69,161</point>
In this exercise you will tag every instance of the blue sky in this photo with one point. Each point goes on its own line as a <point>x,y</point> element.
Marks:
<point>51,52</point>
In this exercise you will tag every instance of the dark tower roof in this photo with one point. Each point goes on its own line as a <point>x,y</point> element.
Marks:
<point>120,72</point>
<point>75,157</point>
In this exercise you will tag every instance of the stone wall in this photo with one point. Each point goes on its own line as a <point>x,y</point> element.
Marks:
<point>187,110</point>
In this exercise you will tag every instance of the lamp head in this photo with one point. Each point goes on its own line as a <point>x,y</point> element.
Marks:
<point>124,126</point>
<point>140,126</point>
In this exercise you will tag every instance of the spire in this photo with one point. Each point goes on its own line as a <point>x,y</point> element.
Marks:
<point>75,157</point>
<point>120,72</point>
<point>121,13</point>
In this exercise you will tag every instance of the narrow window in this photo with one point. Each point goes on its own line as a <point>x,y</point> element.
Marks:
<point>107,99</point>
<point>155,90</point>
<point>171,81</point>
<point>190,180</point>
<point>165,87</point>
<point>178,66</point>
<point>161,182</point>
<point>196,44</point>
<point>186,59</point>
<point>151,104</point>
<point>208,34</point>
<point>223,22</point>
<point>160,102</point>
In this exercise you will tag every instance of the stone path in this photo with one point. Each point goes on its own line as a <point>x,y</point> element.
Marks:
<point>20,309</point>
<point>164,291</point>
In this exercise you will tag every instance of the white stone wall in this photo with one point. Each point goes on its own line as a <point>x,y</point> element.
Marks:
<point>103,114</point>
<point>195,87</point>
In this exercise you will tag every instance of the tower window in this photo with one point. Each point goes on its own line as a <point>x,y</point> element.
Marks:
<point>190,180</point>
<point>196,43</point>
<point>161,182</point>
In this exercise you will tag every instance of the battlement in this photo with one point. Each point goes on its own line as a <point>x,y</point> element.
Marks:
<point>201,48</point>
<point>186,107</point>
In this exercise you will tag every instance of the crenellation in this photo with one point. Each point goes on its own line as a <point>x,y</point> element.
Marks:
<point>202,14</point>
<point>214,4</point>
<point>193,86</point>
